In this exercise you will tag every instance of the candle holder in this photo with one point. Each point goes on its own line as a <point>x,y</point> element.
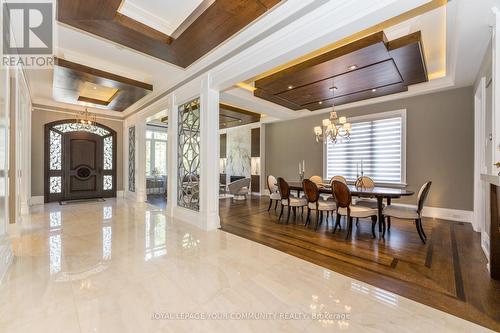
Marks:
<point>301,176</point>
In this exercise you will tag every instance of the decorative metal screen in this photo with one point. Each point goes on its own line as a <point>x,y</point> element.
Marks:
<point>55,148</point>
<point>131,159</point>
<point>55,184</point>
<point>76,127</point>
<point>108,153</point>
<point>188,188</point>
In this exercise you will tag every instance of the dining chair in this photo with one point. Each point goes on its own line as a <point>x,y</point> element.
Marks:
<point>274,195</point>
<point>239,189</point>
<point>288,200</point>
<point>314,202</point>
<point>339,178</point>
<point>410,213</point>
<point>368,183</point>
<point>343,199</point>
<point>318,180</point>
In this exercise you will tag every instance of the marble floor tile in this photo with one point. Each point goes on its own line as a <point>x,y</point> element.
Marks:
<point>119,266</point>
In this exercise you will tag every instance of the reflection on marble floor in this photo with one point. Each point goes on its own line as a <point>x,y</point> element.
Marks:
<point>118,266</point>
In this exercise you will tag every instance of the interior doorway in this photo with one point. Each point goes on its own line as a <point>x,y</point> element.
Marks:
<point>156,162</point>
<point>80,161</point>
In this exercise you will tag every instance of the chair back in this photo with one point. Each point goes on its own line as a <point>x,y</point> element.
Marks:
<point>272,184</point>
<point>422,195</point>
<point>237,185</point>
<point>316,180</point>
<point>310,190</point>
<point>365,182</point>
<point>284,188</point>
<point>339,178</point>
<point>341,194</point>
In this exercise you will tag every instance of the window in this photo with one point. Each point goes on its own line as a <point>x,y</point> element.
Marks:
<point>378,142</point>
<point>156,152</point>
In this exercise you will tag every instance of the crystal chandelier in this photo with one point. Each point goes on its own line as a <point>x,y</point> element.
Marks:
<point>333,129</point>
<point>86,118</point>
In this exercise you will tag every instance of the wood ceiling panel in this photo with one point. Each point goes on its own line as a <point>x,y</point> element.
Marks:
<point>358,96</point>
<point>387,67</point>
<point>217,23</point>
<point>336,62</point>
<point>367,78</point>
<point>70,79</point>
<point>231,116</point>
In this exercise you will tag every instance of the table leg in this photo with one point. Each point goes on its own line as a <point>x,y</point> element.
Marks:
<point>388,217</point>
<point>381,221</point>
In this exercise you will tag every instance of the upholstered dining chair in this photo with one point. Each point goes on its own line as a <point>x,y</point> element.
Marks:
<point>339,178</point>
<point>343,199</point>
<point>316,180</point>
<point>314,202</point>
<point>289,201</point>
<point>274,194</point>
<point>365,182</point>
<point>409,213</point>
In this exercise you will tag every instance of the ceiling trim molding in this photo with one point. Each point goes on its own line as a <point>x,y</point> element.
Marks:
<point>50,108</point>
<point>191,18</point>
<point>143,16</point>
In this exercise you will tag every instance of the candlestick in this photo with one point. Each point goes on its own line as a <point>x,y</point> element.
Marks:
<point>303,166</point>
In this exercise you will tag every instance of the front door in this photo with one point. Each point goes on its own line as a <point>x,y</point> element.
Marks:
<point>83,174</point>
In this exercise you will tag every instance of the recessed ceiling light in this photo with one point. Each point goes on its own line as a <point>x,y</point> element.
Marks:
<point>352,67</point>
<point>373,90</point>
<point>320,102</point>
<point>240,120</point>
<point>290,87</point>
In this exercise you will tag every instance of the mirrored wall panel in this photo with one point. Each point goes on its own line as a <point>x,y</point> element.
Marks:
<point>189,156</point>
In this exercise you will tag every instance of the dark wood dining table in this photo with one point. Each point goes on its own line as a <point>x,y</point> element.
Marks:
<point>378,192</point>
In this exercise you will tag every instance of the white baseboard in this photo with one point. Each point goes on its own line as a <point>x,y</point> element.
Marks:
<point>5,256</point>
<point>120,194</point>
<point>446,213</point>
<point>37,200</point>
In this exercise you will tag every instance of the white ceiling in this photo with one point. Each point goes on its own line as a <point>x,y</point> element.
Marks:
<point>163,15</point>
<point>432,25</point>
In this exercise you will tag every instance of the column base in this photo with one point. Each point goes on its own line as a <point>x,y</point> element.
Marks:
<point>6,256</point>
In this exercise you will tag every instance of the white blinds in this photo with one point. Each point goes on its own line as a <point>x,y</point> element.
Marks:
<point>378,143</point>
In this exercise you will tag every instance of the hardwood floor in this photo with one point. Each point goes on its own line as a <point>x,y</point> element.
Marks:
<point>448,273</point>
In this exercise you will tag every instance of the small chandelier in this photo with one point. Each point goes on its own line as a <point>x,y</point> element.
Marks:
<point>86,118</point>
<point>334,128</point>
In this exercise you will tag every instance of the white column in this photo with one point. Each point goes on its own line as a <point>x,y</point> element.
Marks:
<point>140,161</point>
<point>172,159</point>
<point>209,132</point>
<point>496,87</point>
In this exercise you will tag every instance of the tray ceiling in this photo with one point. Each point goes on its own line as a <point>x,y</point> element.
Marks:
<point>367,68</point>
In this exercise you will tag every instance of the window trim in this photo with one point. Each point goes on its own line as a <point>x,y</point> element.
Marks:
<point>379,116</point>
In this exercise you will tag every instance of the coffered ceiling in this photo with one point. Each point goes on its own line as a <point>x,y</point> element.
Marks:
<point>366,68</point>
<point>78,84</point>
<point>209,24</point>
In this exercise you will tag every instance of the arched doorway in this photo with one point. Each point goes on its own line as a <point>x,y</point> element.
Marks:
<point>80,161</point>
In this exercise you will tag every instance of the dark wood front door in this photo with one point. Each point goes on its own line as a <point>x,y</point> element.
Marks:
<point>83,174</point>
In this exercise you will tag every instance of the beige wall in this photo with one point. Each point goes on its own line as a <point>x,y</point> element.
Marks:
<point>39,119</point>
<point>440,145</point>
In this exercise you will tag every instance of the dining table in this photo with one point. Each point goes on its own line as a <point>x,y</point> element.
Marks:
<point>378,192</point>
